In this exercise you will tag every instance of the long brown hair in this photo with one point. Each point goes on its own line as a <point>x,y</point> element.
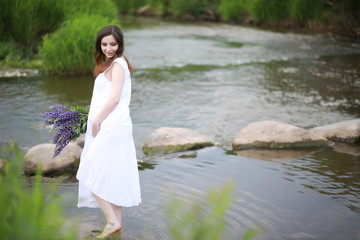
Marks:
<point>101,63</point>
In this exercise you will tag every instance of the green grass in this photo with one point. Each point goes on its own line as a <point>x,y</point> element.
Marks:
<point>70,48</point>
<point>27,212</point>
<point>203,219</point>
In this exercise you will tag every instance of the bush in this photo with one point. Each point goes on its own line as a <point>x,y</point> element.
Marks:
<point>27,213</point>
<point>268,9</point>
<point>177,8</point>
<point>104,8</point>
<point>24,21</point>
<point>70,48</point>
<point>10,49</point>
<point>232,9</point>
<point>126,6</point>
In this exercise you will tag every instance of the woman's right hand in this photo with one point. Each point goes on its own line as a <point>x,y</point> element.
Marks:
<point>95,128</point>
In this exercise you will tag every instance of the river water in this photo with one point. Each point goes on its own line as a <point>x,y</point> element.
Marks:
<point>216,79</point>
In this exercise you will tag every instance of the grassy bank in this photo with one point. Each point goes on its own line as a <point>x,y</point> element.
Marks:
<point>28,212</point>
<point>55,35</point>
<point>58,35</point>
<point>341,16</point>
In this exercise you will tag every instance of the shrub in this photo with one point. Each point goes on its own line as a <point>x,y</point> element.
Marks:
<point>18,20</point>
<point>70,48</point>
<point>104,8</point>
<point>126,6</point>
<point>232,9</point>
<point>10,49</point>
<point>178,8</point>
<point>268,9</point>
<point>24,21</point>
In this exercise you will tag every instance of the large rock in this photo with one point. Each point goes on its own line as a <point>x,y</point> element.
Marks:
<point>80,141</point>
<point>169,140</point>
<point>67,161</point>
<point>346,131</point>
<point>276,135</point>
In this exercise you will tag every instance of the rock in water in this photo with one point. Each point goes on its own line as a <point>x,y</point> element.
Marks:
<point>346,131</point>
<point>42,155</point>
<point>276,135</point>
<point>170,140</point>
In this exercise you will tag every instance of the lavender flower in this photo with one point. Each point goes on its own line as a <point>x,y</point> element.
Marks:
<point>68,124</point>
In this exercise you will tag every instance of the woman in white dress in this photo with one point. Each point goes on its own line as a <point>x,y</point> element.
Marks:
<point>108,173</point>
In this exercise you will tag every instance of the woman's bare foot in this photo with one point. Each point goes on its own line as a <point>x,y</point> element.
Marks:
<point>109,229</point>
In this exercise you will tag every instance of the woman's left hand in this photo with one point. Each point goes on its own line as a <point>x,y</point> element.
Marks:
<point>95,128</point>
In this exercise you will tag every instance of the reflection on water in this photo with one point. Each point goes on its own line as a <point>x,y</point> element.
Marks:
<point>324,173</point>
<point>69,89</point>
<point>215,79</point>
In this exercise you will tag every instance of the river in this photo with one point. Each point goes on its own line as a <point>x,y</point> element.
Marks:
<point>215,79</point>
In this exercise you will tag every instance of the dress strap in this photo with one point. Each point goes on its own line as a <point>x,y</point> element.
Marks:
<point>121,61</point>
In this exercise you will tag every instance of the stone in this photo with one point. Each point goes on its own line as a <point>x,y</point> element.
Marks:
<point>80,141</point>
<point>67,161</point>
<point>346,131</point>
<point>276,135</point>
<point>170,140</point>
<point>10,73</point>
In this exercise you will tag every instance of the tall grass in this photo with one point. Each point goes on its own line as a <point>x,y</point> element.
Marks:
<point>104,8</point>
<point>70,48</point>
<point>344,13</point>
<point>297,10</point>
<point>125,6</point>
<point>24,21</point>
<point>27,213</point>
<point>230,9</point>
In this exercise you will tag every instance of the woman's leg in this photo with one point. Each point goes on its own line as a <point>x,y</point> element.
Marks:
<point>117,210</point>
<point>113,224</point>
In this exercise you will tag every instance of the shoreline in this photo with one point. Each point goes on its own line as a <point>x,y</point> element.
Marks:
<point>287,26</point>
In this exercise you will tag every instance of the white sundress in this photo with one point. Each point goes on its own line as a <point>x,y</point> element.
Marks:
<point>108,165</point>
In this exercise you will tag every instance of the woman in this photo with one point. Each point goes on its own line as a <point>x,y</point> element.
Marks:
<point>108,174</point>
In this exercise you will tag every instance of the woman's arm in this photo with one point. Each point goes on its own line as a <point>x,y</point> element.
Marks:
<point>117,79</point>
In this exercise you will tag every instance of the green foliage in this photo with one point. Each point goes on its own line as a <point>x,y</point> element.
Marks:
<point>126,6</point>
<point>202,219</point>
<point>268,9</point>
<point>24,21</point>
<point>299,10</point>
<point>177,8</point>
<point>27,213</point>
<point>70,48</point>
<point>305,9</point>
<point>50,14</point>
<point>232,9</point>
<point>17,20</point>
<point>103,8</point>
<point>10,49</point>
<point>80,128</point>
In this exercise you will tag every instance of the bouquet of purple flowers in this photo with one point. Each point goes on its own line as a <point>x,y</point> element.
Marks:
<point>68,124</point>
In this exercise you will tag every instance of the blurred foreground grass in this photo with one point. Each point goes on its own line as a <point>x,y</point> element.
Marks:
<point>203,219</point>
<point>27,212</point>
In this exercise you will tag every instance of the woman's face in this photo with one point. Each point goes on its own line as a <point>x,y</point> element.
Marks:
<point>109,46</point>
